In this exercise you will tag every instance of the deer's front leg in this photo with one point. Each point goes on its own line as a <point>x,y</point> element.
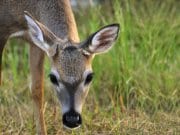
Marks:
<point>37,73</point>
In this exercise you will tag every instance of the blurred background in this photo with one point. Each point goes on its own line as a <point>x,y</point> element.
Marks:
<point>136,88</point>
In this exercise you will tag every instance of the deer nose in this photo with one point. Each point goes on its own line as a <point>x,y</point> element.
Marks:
<point>72,119</point>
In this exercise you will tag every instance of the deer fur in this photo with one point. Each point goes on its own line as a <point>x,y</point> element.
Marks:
<point>49,27</point>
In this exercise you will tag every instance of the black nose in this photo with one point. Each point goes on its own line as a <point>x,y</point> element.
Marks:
<point>72,119</point>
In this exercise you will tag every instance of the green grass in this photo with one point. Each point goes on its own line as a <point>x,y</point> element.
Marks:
<point>142,68</point>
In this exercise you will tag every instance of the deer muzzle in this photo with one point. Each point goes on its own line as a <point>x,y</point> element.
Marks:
<point>72,119</point>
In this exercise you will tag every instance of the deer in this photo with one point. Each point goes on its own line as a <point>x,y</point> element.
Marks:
<point>50,29</point>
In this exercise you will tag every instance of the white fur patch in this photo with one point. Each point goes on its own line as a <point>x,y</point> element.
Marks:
<point>86,52</point>
<point>86,73</point>
<point>72,128</point>
<point>17,34</point>
<point>60,86</point>
<point>55,72</point>
<point>64,109</point>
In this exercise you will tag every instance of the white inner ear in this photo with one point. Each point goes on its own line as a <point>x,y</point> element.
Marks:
<point>34,29</point>
<point>97,39</point>
<point>36,34</point>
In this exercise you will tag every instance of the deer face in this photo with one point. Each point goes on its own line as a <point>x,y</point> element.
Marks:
<point>71,73</point>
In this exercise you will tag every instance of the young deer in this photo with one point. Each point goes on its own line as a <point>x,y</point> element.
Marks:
<point>55,33</point>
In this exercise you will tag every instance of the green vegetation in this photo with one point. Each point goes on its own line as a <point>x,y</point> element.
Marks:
<point>142,70</point>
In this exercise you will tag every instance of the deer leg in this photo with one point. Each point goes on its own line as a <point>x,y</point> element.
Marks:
<point>2,44</point>
<point>37,73</point>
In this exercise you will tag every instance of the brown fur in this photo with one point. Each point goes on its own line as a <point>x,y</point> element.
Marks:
<point>72,64</point>
<point>72,29</point>
<point>58,17</point>
<point>52,28</point>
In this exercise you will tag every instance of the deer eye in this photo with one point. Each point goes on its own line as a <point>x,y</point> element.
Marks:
<point>53,79</point>
<point>89,78</point>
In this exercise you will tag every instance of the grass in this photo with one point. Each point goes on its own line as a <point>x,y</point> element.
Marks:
<point>142,70</point>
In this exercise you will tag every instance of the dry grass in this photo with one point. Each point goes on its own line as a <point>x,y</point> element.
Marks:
<point>143,72</point>
<point>17,117</point>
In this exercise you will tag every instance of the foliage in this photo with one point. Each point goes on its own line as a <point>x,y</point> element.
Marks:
<point>142,68</point>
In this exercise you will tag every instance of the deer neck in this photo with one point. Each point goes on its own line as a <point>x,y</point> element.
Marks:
<point>57,15</point>
<point>70,20</point>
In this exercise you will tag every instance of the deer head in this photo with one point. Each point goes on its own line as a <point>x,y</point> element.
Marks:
<point>71,72</point>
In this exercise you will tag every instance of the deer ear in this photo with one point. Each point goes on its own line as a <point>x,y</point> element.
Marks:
<point>102,40</point>
<point>35,33</point>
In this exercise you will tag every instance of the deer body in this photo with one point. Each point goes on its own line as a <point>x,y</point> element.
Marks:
<point>50,28</point>
<point>53,13</point>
